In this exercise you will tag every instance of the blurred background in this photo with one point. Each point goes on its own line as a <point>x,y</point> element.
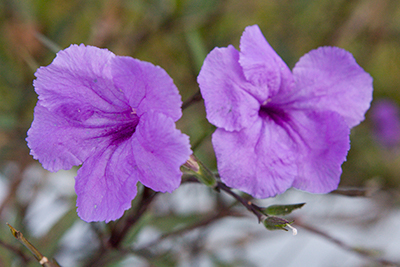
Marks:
<point>177,35</point>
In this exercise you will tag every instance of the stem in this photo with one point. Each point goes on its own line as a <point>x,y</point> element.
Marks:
<point>207,221</point>
<point>121,228</point>
<point>250,206</point>
<point>25,259</point>
<point>118,234</point>
<point>44,261</point>
<point>220,186</point>
<point>362,252</point>
<point>191,100</point>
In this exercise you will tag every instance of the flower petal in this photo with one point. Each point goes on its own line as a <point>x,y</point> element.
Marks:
<point>225,90</point>
<point>68,136</point>
<point>259,160</point>
<point>385,117</point>
<point>147,87</point>
<point>159,151</point>
<point>329,78</point>
<point>79,76</point>
<point>323,141</point>
<point>53,141</point>
<point>105,184</point>
<point>305,151</point>
<point>262,66</point>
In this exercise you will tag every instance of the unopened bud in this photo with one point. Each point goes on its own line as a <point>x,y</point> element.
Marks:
<point>194,166</point>
<point>277,223</point>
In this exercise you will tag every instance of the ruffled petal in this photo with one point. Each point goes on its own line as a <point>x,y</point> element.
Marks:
<point>61,139</point>
<point>262,66</point>
<point>329,78</point>
<point>159,151</point>
<point>79,76</point>
<point>50,145</point>
<point>225,90</point>
<point>105,184</point>
<point>55,143</point>
<point>147,87</point>
<point>259,160</point>
<point>323,142</point>
<point>78,108</point>
<point>306,151</point>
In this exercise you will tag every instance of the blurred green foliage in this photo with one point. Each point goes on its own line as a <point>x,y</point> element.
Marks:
<point>177,35</point>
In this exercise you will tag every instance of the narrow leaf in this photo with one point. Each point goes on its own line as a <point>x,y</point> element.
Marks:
<point>281,209</point>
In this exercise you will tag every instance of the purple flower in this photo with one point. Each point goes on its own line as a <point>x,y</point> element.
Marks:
<point>276,128</point>
<point>115,116</point>
<point>385,115</point>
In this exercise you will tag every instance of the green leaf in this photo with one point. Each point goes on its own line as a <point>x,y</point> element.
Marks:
<point>281,209</point>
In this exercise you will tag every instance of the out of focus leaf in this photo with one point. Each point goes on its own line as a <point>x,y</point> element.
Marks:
<point>172,222</point>
<point>135,231</point>
<point>197,48</point>
<point>167,259</point>
<point>53,236</point>
<point>235,262</point>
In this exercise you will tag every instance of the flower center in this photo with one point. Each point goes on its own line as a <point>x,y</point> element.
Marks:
<point>125,129</point>
<point>273,112</point>
<point>124,132</point>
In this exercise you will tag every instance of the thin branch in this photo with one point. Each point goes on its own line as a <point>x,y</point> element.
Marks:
<point>44,261</point>
<point>16,251</point>
<point>355,192</point>
<point>191,100</point>
<point>205,222</point>
<point>248,204</point>
<point>220,186</point>
<point>362,252</point>
<point>119,233</point>
<point>120,229</point>
<point>16,181</point>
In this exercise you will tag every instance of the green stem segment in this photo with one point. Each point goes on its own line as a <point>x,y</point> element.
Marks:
<point>39,257</point>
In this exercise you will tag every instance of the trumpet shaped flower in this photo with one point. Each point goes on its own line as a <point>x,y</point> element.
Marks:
<point>116,117</point>
<point>278,128</point>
